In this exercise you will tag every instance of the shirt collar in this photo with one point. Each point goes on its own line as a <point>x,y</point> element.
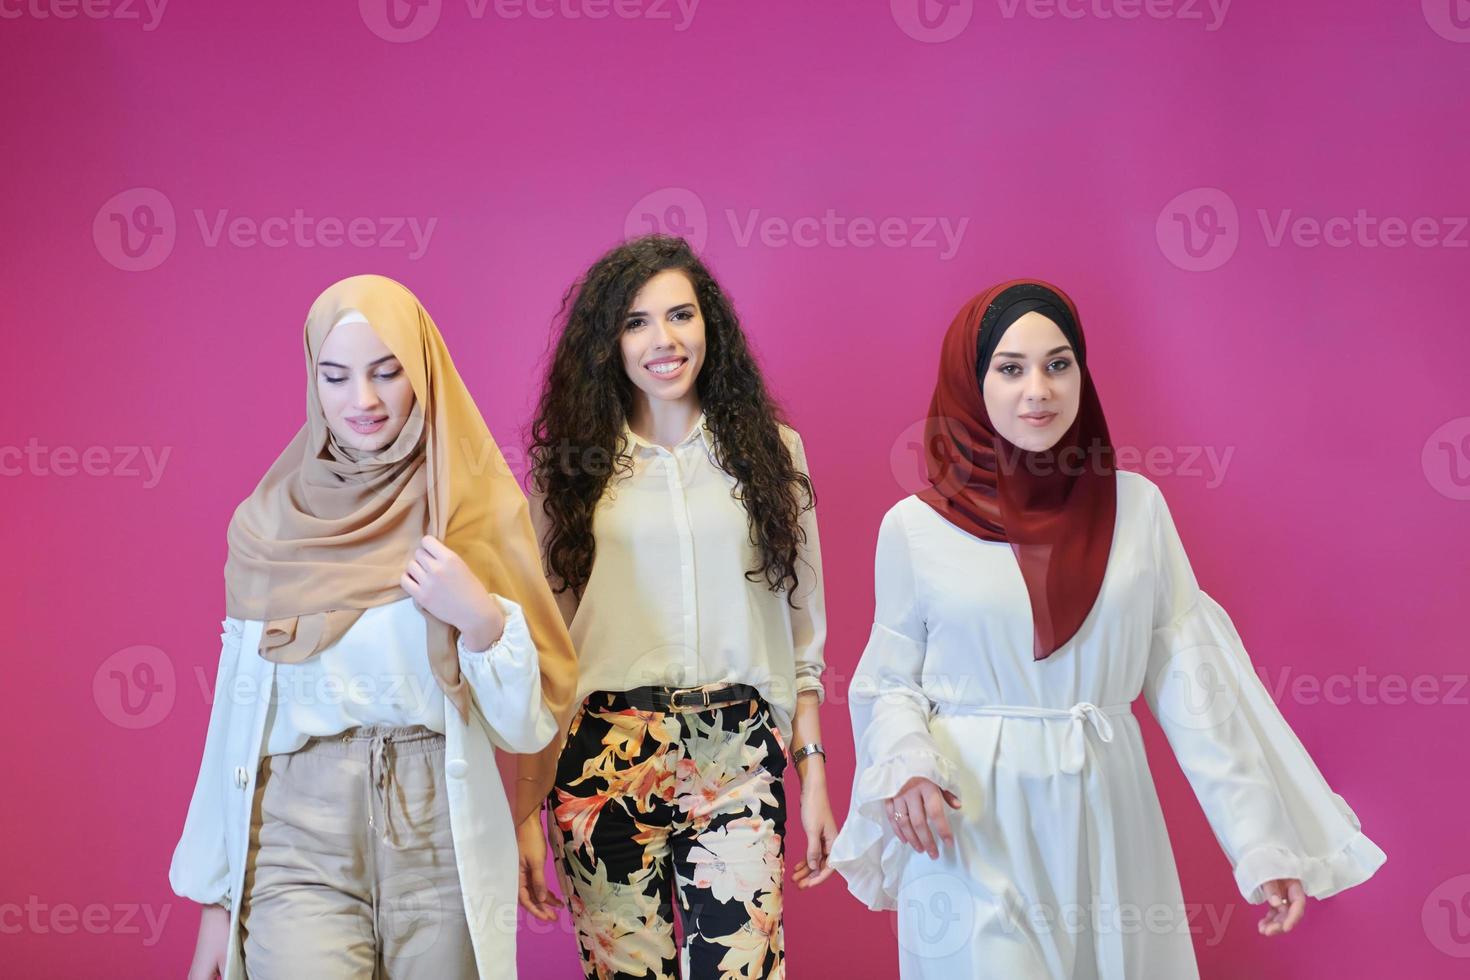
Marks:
<point>701,431</point>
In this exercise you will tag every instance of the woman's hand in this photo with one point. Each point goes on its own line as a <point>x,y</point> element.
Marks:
<point>1288,903</point>
<point>212,945</point>
<point>917,814</point>
<point>445,588</point>
<point>817,821</point>
<point>535,896</point>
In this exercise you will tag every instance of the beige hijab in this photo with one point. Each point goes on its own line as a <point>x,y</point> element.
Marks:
<point>329,530</point>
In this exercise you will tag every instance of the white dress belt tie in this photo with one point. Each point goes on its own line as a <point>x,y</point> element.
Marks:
<point>1080,716</point>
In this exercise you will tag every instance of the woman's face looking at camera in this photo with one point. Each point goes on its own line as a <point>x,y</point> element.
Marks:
<point>1033,386</point>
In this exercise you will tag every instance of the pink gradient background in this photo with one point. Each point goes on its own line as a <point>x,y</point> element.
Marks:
<point>1337,537</point>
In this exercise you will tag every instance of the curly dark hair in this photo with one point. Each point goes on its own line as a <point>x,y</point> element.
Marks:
<point>576,436</point>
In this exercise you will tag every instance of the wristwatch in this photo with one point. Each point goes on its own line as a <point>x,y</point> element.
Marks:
<point>810,748</point>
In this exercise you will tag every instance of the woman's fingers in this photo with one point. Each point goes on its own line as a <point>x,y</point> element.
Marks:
<point>525,898</point>
<point>934,811</point>
<point>523,891</point>
<point>535,897</point>
<point>1271,922</point>
<point>914,818</point>
<point>1269,889</point>
<point>815,869</point>
<point>898,816</point>
<point>1298,907</point>
<point>528,900</point>
<point>545,897</point>
<point>549,900</point>
<point>918,820</point>
<point>806,876</point>
<point>820,877</point>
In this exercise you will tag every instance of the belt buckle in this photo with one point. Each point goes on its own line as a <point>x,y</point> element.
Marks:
<point>703,693</point>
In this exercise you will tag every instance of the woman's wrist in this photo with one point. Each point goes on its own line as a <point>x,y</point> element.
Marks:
<point>486,628</point>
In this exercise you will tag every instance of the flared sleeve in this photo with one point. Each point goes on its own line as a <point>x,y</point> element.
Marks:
<point>1269,806</point>
<point>890,727</point>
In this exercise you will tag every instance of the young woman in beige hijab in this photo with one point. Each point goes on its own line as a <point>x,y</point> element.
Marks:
<point>388,623</point>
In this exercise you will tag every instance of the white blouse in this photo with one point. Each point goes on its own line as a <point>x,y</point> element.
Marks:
<point>507,712</point>
<point>1058,809</point>
<point>668,603</point>
<point>377,673</point>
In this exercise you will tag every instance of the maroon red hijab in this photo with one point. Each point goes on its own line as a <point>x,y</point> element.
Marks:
<point>1056,508</point>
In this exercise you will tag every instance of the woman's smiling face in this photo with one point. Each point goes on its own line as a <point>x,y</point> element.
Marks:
<point>364,392</point>
<point>663,337</point>
<point>1033,386</point>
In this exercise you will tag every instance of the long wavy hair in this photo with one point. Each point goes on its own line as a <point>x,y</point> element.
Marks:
<point>576,438</point>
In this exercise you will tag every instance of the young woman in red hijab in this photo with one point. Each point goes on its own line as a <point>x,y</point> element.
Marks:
<point>1025,599</point>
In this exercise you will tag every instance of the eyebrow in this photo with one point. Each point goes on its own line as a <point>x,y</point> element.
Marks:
<point>672,309</point>
<point>1011,353</point>
<point>346,368</point>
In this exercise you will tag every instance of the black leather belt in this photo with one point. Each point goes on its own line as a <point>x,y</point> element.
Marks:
<point>688,698</point>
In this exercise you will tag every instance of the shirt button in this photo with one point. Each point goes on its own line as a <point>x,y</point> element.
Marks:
<point>456,768</point>
<point>242,777</point>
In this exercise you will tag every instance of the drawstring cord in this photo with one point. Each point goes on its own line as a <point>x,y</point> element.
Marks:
<point>380,771</point>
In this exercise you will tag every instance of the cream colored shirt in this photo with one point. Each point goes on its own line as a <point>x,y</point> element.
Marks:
<point>668,602</point>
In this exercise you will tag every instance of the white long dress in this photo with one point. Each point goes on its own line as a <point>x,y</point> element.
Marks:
<point>1062,866</point>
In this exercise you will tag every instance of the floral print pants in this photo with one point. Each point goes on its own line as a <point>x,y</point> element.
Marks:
<point>648,804</point>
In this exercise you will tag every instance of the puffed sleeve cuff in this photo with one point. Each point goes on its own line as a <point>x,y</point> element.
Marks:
<point>867,853</point>
<point>513,646</point>
<point>1321,877</point>
<point>204,890</point>
<point>506,679</point>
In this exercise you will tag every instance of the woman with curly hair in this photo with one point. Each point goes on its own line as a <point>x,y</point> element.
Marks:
<point>677,524</point>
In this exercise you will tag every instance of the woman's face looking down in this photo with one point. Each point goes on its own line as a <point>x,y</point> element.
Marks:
<point>364,392</point>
